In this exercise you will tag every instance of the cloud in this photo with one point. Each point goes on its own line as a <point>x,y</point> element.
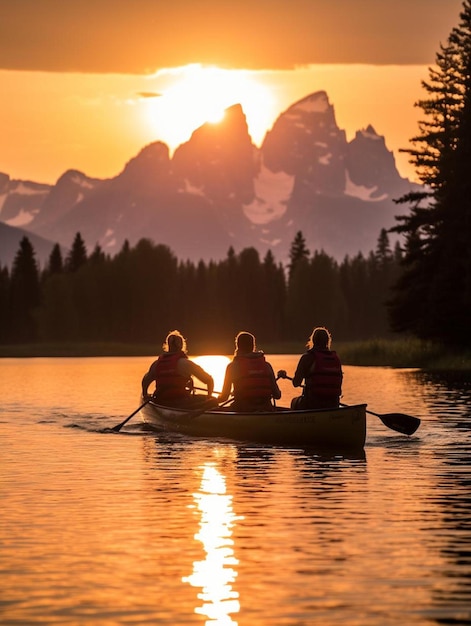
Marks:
<point>149,94</point>
<point>119,36</point>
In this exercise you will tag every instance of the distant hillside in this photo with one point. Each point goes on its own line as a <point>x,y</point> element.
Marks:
<point>10,238</point>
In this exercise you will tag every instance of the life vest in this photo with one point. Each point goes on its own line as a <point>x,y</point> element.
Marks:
<point>251,377</point>
<point>169,384</point>
<point>324,379</point>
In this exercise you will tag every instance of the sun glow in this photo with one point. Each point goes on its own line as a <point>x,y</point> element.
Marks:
<point>216,366</point>
<point>190,96</point>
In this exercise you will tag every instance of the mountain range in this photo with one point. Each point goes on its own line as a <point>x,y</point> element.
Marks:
<point>219,190</point>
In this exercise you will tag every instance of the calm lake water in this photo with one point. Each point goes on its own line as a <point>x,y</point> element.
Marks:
<point>143,527</point>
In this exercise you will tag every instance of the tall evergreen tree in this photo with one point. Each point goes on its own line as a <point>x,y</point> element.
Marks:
<point>298,251</point>
<point>77,255</point>
<point>24,294</point>
<point>55,264</point>
<point>383,251</point>
<point>433,294</point>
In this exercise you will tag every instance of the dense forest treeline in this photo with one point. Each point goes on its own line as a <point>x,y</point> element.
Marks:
<point>144,291</point>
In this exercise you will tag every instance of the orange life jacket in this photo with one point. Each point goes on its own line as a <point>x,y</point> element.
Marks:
<point>325,375</point>
<point>169,384</point>
<point>251,376</point>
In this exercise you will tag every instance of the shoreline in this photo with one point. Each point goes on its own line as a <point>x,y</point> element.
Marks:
<point>396,353</point>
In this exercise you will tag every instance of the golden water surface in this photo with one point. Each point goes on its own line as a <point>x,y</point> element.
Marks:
<point>143,527</point>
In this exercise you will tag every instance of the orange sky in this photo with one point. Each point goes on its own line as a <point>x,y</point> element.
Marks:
<point>74,76</point>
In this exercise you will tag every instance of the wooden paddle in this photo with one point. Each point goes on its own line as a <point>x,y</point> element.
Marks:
<point>405,424</point>
<point>402,423</point>
<point>118,427</point>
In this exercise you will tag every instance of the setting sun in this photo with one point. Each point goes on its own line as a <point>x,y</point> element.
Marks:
<point>116,115</point>
<point>193,95</point>
<point>216,366</point>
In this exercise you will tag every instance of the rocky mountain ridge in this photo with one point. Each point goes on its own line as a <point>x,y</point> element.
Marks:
<point>220,190</point>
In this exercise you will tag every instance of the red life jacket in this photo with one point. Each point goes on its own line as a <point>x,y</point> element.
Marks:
<point>169,384</point>
<point>324,379</point>
<point>251,377</point>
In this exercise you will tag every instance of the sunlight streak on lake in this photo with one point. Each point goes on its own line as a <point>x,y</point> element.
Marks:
<point>215,574</point>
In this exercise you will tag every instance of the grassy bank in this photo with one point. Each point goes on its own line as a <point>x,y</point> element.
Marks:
<point>377,352</point>
<point>404,353</point>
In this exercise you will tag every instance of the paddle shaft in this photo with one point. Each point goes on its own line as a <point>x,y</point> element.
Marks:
<point>118,427</point>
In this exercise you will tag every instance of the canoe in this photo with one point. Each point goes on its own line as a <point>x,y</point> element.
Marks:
<point>341,429</point>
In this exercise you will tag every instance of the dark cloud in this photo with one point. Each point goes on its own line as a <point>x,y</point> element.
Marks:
<point>140,36</point>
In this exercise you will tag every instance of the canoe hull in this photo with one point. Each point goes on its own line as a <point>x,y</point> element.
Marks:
<point>342,428</point>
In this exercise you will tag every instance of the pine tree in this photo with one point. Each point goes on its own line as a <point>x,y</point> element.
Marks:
<point>383,252</point>
<point>77,255</point>
<point>433,294</point>
<point>297,253</point>
<point>55,263</point>
<point>24,294</point>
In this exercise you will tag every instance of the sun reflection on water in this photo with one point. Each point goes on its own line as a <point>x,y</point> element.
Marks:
<point>216,574</point>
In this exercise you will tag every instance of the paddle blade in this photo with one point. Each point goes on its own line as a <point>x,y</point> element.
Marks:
<point>117,428</point>
<point>405,424</point>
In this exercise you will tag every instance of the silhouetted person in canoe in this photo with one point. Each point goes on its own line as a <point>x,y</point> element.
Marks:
<point>250,378</point>
<point>172,373</point>
<point>321,371</point>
